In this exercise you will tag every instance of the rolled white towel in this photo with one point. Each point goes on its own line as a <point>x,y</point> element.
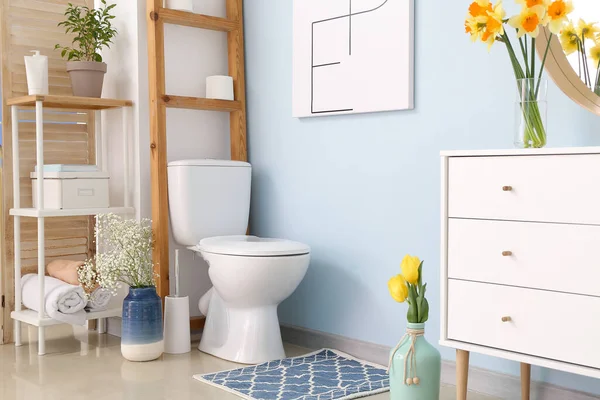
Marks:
<point>99,300</point>
<point>63,302</point>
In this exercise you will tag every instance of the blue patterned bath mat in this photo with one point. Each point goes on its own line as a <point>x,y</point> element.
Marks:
<point>324,374</point>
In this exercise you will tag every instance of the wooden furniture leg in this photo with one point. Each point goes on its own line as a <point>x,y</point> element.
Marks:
<point>525,381</point>
<point>462,374</point>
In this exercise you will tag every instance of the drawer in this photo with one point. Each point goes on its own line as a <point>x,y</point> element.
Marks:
<point>552,325</point>
<point>555,188</point>
<point>559,257</point>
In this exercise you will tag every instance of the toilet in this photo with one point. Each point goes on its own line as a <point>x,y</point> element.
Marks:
<point>209,205</point>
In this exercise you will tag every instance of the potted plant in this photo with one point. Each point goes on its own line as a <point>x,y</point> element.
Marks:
<point>415,365</point>
<point>125,257</point>
<point>94,31</point>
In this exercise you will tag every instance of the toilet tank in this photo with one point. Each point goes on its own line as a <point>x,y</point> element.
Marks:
<point>208,198</point>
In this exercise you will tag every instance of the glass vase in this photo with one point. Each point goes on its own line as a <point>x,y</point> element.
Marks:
<point>531,109</point>
<point>415,367</point>
<point>142,328</point>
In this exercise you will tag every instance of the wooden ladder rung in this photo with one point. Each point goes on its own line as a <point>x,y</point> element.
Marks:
<point>199,103</point>
<point>197,20</point>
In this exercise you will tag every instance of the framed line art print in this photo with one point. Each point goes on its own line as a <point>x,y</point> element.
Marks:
<point>352,56</point>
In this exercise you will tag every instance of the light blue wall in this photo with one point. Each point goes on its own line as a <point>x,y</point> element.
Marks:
<point>364,190</point>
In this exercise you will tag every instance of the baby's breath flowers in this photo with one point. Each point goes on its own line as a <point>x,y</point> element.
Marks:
<point>125,255</point>
<point>87,276</point>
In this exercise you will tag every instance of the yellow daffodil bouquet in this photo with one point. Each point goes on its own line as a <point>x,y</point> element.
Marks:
<point>408,286</point>
<point>485,22</point>
<point>585,40</point>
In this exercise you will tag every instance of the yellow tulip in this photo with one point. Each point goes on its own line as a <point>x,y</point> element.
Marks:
<point>398,289</point>
<point>529,21</point>
<point>558,13</point>
<point>410,268</point>
<point>569,39</point>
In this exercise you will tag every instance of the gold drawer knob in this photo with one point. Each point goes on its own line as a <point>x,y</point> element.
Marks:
<point>507,253</point>
<point>507,188</point>
<point>506,319</point>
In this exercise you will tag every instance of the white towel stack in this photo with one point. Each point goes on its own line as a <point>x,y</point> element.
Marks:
<point>63,302</point>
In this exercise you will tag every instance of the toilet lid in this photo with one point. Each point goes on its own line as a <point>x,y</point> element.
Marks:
<point>252,246</point>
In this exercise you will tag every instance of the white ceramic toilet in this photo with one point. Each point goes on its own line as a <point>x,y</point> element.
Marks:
<point>209,203</point>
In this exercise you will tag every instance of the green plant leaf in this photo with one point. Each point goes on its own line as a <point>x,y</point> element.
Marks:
<point>420,302</point>
<point>413,314</point>
<point>92,30</point>
<point>424,313</point>
<point>420,282</point>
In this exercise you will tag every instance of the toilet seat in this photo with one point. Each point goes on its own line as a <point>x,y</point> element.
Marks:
<point>252,246</point>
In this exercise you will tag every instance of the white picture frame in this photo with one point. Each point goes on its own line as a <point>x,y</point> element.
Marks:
<point>352,56</point>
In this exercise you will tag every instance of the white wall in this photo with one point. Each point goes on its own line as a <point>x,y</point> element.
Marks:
<point>191,55</point>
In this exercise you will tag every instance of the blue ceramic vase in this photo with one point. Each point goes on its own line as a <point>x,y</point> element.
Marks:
<point>423,367</point>
<point>142,329</point>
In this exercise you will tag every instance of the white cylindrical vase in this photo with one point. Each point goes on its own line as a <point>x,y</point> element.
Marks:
<point>182,5</point>
<point>177,325</point>
<point>219,87</point>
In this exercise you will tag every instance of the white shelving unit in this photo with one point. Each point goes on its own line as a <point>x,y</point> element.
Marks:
<point>35,318</point>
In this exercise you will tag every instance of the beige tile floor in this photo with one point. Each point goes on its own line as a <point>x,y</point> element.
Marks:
<point>85,365</point>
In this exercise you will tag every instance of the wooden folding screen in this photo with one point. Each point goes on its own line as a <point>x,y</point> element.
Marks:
<point>68,138</point>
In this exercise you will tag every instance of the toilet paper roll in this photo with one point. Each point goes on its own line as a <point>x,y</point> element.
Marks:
<point>182,5</point>
<point>219,87</point>
<point>177,325</point>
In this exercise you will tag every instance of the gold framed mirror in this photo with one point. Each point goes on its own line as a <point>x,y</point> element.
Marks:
<point>575,74</point>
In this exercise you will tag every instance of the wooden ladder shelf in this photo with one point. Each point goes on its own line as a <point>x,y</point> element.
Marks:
<point>160,101</point>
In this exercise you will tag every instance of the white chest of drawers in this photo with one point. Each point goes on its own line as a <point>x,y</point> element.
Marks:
<point>520,258</point>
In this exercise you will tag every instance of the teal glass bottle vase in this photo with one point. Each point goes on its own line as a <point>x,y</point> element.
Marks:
<point>423,364</point>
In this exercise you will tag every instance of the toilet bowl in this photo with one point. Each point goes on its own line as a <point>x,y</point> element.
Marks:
<point>209,205</point>
<point>251,276</point>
